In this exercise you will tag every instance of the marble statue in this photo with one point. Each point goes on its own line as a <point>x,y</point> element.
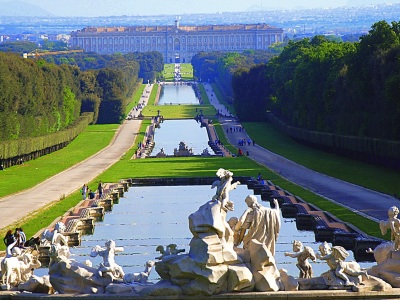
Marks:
<point>18,269</point>
<point>161,154</point>
<point>109,266</point>
<point>392,223</point>
<point>302,254</point>
<point>140,277</point>
<point>214,264</point>
<point>259,223</point>
<point>224,185</point>
<point>335,258</point>
<point>170,249</point>
<point>232,224</point>
<point>183,150</point>
<point>56,236</point>
<point>205,152</point>
<point>68,276</point>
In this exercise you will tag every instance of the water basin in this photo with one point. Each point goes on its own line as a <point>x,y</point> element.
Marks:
<point>177,94</point>
<point>172,132</point>
<point>150,216</point>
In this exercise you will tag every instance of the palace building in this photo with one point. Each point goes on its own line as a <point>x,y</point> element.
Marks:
<point>176,43</point>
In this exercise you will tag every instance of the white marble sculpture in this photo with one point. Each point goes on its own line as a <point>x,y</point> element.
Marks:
<point>140,277</point>
<point>68,276</point>
<point>18,268</point>
<point>56,236</point>
<point>161,154</point>
<point>303,254</point>
<point>392,224</point>
<point>183,150</point>
<point>259,223</point>
<point>109,266</point>
<point>170,249</point>
<point>213,264</point>
<point>335,258</point>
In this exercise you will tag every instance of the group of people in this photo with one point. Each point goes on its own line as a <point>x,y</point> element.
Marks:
<point>242,142</point>
<point>235,129</point>
<point>88,193</point>
<point>16,239</point>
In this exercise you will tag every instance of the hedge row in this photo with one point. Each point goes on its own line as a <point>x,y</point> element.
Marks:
<point>17,148</point>
<point>374,150</point>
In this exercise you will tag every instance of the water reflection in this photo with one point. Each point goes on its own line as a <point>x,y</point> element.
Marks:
<point>150,216</point>
<point>177,94</point>
<point>172,132</point>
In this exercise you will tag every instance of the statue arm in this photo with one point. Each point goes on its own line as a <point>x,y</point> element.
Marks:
<point>119,249</point>
<point>293,255</point>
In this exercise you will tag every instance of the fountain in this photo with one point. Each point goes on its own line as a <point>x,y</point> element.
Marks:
<point>238,255</point>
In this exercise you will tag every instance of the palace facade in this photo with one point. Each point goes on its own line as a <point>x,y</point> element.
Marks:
<point>176,43</point>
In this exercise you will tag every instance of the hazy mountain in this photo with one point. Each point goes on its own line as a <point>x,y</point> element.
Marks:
<point>21,8</point>
<point>369,2</point>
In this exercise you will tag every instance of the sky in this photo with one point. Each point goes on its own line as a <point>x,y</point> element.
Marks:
<point>93,8</point>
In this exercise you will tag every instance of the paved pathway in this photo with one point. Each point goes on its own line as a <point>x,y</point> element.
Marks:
<point>364,201</point>
<point>16,207</point>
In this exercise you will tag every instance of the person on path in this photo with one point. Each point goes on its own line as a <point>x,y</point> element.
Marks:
<point>84,191</point>
<point>100,189</point>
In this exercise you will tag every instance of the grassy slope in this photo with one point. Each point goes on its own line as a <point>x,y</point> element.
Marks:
<point>377,178</point>
<point>21,177</point>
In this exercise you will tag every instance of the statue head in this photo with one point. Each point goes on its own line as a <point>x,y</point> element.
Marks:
<point>297,246</point>
<point>251,200</point>
<point>393,211</point>
<point>232,222</point>
<point>60,227</point>
<point>325,248</point>
<point>222,173</point>
<point>110,244</point>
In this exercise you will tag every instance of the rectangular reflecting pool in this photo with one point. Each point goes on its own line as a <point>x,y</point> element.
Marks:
<point>149,216</point>
<point>177,94</point>
<point>172,132</point>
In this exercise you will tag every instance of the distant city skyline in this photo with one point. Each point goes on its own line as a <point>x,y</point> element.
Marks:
<point>95,8</point>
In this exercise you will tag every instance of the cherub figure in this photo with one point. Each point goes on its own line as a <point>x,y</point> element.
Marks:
<point>224,186</point>
<point>335,258</point>
<point>140,277</point>
<point>302,254</point>
<point>392,223</point>
<point>109,265</point>
<point>169,250</point>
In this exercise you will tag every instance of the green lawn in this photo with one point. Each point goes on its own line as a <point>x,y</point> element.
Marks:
<point>221,98</point>
<point>203,94</point>
<point>186,72</point>
<point>373,177</point>
<point>135,99</point>
<point>178,111</point>
<point>27,175</point>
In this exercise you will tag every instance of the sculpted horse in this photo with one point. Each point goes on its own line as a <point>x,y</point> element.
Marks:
<point>18,269</point>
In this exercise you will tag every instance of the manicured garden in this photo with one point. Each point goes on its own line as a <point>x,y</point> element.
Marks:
<point>31,173</point>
